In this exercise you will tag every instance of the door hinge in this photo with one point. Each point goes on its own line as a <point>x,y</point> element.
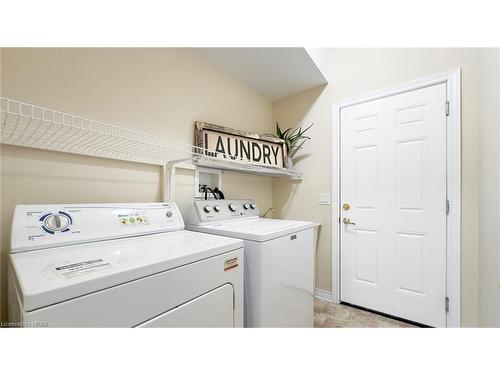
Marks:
<point>447,207</point>
<point>447,304</point>
<point>447,108</point>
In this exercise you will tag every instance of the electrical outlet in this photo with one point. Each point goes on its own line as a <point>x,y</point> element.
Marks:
<point>324,199</point>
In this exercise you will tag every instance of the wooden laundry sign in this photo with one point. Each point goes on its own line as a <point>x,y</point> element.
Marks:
<point>221,142</point>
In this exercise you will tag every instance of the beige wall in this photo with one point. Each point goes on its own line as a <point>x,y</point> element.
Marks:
<point>489,202</point>
<point>353,72</point>
<point>159,91</point>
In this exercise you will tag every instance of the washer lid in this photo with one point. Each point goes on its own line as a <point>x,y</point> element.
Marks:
<point>49,276</point>
<point>257,229</point>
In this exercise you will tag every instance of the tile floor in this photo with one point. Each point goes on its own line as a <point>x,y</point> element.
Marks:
<point>332,315</point>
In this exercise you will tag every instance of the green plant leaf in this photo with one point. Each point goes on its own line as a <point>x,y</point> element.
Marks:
<point>309,127</point>
<point>278,131</point>
<point>294,131</point>
<point>286,133</point>
<point>297,138</point>
<point>292,137</point>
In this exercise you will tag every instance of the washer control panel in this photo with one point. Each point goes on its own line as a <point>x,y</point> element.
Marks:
<point>224,209</point>
<point>44,226</point>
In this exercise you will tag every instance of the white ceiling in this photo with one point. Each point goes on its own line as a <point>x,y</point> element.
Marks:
<point>273,72</point>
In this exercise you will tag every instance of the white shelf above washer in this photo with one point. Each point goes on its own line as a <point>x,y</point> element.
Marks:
<point>242,167</point>
<point>28,125</point>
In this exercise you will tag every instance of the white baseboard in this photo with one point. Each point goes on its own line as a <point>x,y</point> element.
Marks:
<point>323,294</point>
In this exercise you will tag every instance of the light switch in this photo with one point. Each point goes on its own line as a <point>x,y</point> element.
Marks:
<point>324,199</point>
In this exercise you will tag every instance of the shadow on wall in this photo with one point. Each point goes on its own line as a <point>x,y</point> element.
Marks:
<point>296,111</point>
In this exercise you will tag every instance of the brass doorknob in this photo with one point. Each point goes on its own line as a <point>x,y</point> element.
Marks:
<point>348,221</point>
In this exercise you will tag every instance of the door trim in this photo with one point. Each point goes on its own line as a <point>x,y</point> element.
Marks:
<point>452,79</point>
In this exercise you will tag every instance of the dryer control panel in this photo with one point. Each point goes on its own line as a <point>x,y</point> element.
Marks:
<point>222,209</point>
<point>44,226</point>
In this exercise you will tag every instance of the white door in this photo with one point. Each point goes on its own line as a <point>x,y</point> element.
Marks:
<point>393,177</point>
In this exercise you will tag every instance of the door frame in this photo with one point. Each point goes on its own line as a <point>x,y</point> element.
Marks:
<point>452,78</point>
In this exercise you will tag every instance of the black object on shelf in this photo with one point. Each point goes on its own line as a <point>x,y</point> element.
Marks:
<point>206,189</point>
<point>219,193</point>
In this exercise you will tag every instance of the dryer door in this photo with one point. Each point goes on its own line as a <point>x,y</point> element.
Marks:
<point>212,309</point>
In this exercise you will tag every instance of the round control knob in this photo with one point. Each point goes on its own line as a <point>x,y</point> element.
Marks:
<point>253,206</point>
<point>217,208</point>
<point>56,222</point>
<point>246,206</point>
<point>233,207</point>
<point>207,208</point>
<point>169,214</point>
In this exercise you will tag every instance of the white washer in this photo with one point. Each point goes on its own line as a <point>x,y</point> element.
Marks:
<point>121,265</point>
<point>279,260</point>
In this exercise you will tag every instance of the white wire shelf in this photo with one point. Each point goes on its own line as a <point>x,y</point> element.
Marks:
<point>28,125</point>
<point>243,167</point>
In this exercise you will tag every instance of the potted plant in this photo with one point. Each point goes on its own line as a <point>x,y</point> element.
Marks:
<point>294,140</point>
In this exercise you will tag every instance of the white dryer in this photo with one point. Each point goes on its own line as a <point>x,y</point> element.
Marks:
<point>120,265</point>
<point>279,260</point>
